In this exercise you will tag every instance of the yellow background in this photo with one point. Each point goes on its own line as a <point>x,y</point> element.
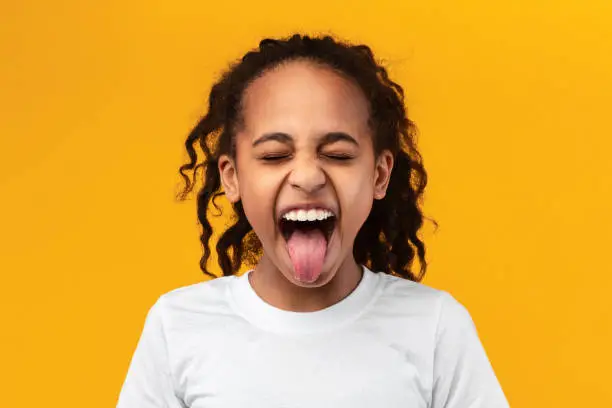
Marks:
<point>513,104</point>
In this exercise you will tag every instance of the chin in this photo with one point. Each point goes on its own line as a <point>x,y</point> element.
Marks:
<point>322,280</point>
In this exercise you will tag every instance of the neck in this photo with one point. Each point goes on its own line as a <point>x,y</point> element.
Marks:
<point>275,289</point>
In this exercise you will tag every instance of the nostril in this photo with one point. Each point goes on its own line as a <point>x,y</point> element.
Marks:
<point>308,188</point>
<point>308,181</point>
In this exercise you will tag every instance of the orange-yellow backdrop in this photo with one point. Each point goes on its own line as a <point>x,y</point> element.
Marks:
<point>512,101</point>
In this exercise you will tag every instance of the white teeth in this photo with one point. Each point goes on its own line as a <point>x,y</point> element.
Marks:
<point>302,215</point>
<point>310,215</point>
<point>323,215</point>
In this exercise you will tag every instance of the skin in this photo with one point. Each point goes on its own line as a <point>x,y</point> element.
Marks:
<point>305,102</point>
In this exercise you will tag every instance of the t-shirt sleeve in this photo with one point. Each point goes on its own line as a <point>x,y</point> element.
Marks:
<point>148,383</point>
<point>463,375</point>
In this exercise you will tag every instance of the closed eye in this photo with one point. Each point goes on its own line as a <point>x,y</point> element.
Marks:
<point>339,156</point>
<point>274,157</point>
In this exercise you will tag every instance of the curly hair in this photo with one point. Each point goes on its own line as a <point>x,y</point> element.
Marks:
<point>387,241</point>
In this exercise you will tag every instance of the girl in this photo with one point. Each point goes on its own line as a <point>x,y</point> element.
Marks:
<point>309,140</point>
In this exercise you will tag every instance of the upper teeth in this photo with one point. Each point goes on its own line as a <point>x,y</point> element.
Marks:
<point>308,215</point>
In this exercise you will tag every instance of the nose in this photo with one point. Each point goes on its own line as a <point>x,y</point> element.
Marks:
<point>307,175</point>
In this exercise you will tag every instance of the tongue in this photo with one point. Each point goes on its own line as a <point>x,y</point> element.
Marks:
<point>307,251</point>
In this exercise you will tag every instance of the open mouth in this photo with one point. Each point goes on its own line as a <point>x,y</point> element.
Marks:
<point>326,226</point>
<point>307,234</point>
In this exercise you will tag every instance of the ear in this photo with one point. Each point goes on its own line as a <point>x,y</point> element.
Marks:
<point>382,174</point>
<point>229,178</point>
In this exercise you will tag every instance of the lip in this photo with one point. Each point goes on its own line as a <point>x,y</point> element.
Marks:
<point>306,207</point>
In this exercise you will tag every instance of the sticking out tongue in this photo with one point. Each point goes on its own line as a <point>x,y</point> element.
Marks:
<point>307,251</point>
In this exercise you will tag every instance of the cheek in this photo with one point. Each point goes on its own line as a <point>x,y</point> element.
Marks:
<point>257,192</point>
<point>356,194</point>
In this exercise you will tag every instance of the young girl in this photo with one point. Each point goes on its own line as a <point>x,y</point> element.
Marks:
<point>309,140</point>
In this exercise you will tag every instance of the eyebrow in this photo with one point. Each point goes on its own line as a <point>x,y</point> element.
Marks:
<point>277,136</point>
<point>285,138</point>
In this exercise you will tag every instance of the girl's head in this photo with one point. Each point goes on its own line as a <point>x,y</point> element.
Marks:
<point>310,123</point>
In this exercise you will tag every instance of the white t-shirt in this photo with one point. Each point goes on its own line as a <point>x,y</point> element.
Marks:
<point>390,343</point>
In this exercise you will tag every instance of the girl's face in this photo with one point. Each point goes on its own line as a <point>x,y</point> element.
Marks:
<point>305,143</point>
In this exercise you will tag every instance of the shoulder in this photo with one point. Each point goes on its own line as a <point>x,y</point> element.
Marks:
<point>199,298</point>
<point>397,289</point>
<point>396,286</point>
<point>418,298</point>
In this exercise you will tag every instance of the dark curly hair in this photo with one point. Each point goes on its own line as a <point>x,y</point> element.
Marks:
<point>388,241</point>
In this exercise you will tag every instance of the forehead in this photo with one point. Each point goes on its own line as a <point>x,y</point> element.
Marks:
<point>302,98</point>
